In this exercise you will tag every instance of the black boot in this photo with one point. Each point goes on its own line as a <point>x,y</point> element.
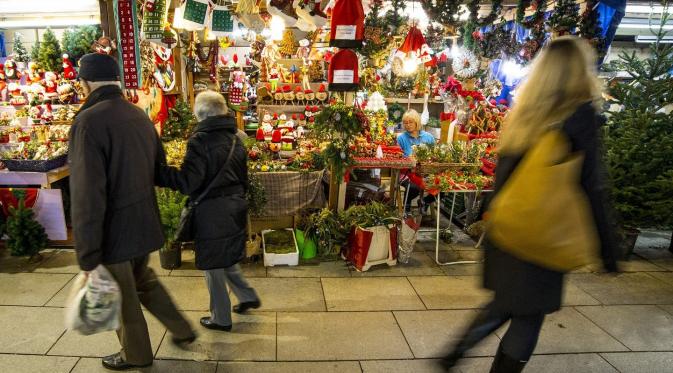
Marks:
<point>485,323</point>
<point>504,363</point>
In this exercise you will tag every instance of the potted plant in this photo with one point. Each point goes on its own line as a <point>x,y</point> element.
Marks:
<point>170,206</point>
<point>305,223</point>
<point>325,234</point>
<point>372,237</point>
<point>280,247</point>
<point>639,140</point>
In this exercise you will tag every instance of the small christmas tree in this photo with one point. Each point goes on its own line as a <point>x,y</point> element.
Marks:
<point>288,46</point>
<point>565,17</point>
<point>378,35</point>
<point>26,236</point>
<point>20,52</point>
<point>639,140</point>
<point>77,42</point>
<point>50,56</point>
<point>180,122</point>
<point>316,71</point>
<point>35,53</point>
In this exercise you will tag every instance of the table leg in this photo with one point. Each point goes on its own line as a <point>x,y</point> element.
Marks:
<point>453,203</point>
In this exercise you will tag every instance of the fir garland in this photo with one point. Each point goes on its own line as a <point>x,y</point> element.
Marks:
<point>378,35</point>
<point>565,16</point>
<point>537,18</point>
<point>445,12</point>
<point>590,29</point>
<point>473,7</point>
<point>393,18</point>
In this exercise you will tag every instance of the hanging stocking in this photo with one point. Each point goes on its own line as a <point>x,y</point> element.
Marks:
<point>348,24</point>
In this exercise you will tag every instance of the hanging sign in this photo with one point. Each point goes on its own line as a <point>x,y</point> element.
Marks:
<point>127,34</point>
<point>195,14</point>
<point>154,21</point>
<point>221,21</point>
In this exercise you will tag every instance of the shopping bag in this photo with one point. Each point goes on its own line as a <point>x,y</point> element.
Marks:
<point>94,303</point>
<point>409,233</point>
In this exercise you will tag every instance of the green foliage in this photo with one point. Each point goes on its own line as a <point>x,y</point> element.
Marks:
<point>590,28</point>
<point>565,16</point>
<point>50,57</point>
<point>35,53</point>
<point>327,229</point>
<point>20,52</point>
<point>378,35</point>
<point>77,42</point>
<point>445,12</point>
<point>370,215</point>
<point>170,206</point>
<point>639,138</point>
<point>180,123</point>
<point>256,195</point>
<point>26,236</point>
<point>280,241</point>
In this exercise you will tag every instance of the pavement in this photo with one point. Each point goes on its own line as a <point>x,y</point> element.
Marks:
<point>328,317</point>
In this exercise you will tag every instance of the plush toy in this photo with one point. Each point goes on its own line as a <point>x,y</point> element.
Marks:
<point>68,69</point>
<point>303,51</point>
<point>66,93</point>
<point>322,94</point>
<point>50,85</point>
<point>33,73</point>
<point>276,139</point>
<point>16,97</point>
<point>274,76</point>
<point>104,45</point>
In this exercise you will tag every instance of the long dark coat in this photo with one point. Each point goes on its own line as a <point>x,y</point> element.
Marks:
<point>220,219</point>
<point>521,287</point>
<point>112,156</point>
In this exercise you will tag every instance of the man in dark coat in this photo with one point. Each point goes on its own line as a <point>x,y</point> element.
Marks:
<point>115,217</point>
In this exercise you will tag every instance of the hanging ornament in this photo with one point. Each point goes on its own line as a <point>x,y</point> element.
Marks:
<point>221,21</point>
<point>466,65</point>
<point>154,19</point>
<point>194,14</point>
<point>414,51</point>
<point>127,34</point>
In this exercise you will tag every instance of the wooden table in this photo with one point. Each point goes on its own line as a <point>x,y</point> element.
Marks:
<point>43,179</point>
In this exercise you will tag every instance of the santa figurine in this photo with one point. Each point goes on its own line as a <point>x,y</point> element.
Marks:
<point>104,45</point>
<point>50,85</point>
<point>68,68</point>
<point>11,72</point>
<point>33,73</point>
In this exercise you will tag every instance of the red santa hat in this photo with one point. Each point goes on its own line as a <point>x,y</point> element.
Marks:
<point>276,135</point>
<point>343,72</point>
<point>348,24</point>
<point>259,136</point>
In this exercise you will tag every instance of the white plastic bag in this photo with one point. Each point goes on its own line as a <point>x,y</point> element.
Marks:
<point>94,303</point>
<point>408,232</point>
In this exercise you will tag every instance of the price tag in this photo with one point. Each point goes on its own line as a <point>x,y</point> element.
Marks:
<point>345,32</point>
<point>343,76</point>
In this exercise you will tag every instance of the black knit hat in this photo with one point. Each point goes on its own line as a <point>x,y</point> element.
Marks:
<point>96,67</point>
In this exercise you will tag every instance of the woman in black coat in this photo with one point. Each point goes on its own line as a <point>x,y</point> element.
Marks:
<point>562,88</point>
<point>220,218</point>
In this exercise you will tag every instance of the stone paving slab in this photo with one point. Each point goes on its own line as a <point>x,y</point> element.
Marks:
<point>60,261</point>
<point>288,294</point>
<point>666,277</point>
<point>340,336</point>
<point>659,256</point>
<point>36,364</point>
<point>253,338</point>
<point>370,294</point>
<point>640,328</point>
<point>89,365</point>
<point>575,363</point>
<point>431,334</point>
<point>641,362</point>
<point>463,269</point>
<point>61,297</point>
<point>188,293</point>
<point>451,292</point>
<point>625,288</point>
<point>30,289</point>
<point>290,367</point>
<point>29,330</point>
<point>73,343</point>
<point>574,296</point>
<point>568,331</point>
<point>323,269</point>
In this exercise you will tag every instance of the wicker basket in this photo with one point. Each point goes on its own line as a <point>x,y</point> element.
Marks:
<point>35,166</point>
<point>436,168</point>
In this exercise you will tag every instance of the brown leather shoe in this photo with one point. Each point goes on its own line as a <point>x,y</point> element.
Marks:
<point>115,362</point>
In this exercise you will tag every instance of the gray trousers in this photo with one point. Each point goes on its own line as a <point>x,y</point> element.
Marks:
<point>220,304</point>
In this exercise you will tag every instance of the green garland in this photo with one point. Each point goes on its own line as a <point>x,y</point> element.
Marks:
<point>590,29</point>
<point>538,16</point>
<point>378,34</point>
<point>445,12</point>
<point>473,8</point>
<point>565,16</point>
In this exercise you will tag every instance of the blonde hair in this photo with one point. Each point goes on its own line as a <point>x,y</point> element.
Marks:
<point>209,104</point>
<point>413,115</point>
<point>563,77</point>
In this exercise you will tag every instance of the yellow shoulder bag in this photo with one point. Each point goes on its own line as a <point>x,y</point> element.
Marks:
<point>541,215</point>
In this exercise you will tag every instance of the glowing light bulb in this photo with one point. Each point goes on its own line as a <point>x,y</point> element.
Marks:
<point>512,69</point>
<point>277,26</point>
<point>410,64</point>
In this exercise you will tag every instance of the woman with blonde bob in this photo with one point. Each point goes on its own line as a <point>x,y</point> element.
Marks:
<point>563,92</point>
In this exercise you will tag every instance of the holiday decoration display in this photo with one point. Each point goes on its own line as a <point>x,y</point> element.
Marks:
<point>590,29</point>
<point>445,12</point>
<point>127,33</point>
<point>284,9</point>
<point>288,46</point>
<point>154,20</point>
<point>68,68</point>
<point>194,14</point>
<point>104,45</point>
<point>377,36</point>
<point>11,70</point>
<point>348,24</point>
<point>221,21</point>
<point>163,72</point>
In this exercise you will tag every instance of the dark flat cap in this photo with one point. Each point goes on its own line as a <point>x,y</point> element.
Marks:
<point>96,67</point>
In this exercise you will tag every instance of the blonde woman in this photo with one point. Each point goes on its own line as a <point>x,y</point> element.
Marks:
<point>561,90</point>
<point>413,135</point>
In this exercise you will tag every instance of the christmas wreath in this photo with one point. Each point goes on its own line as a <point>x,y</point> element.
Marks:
<point>395,112</point>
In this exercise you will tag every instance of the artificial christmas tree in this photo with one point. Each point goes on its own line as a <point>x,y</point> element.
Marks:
<point>316,71</point>
<point>20,52</point>
<point>288,46</point>
<point>26,236</point>
<point>35,53</point>
<point>77,42</point>
<point>564,19</point>
<point>639,139</point>
<point>50,56</point>
<point>378,35</point>
<point>180,122</point>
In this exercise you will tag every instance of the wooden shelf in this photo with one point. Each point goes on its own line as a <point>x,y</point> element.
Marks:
<point>403,100</point>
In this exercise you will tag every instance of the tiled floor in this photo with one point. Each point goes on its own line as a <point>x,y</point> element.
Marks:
<point>328,318</point>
